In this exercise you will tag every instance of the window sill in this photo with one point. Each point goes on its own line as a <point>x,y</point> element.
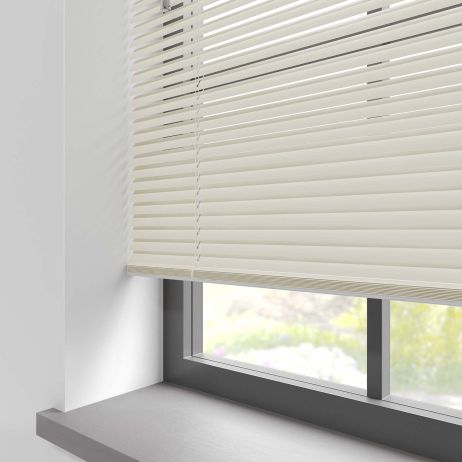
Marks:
<point>165,422</point>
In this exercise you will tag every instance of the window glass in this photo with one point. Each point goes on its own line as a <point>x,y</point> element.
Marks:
<point>315,335</point>
<point>426,353</point>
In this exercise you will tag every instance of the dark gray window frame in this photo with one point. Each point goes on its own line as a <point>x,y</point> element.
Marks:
<point>423,432</point>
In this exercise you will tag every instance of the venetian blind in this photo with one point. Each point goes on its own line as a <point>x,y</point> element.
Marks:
<point>307,144</point>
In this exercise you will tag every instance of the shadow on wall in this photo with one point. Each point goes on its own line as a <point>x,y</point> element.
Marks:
<point>113,322</point>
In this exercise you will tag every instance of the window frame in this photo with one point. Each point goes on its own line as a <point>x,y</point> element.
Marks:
<point>394,423</point>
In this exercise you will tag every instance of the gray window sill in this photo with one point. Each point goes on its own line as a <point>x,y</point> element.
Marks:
<point>166,422</point>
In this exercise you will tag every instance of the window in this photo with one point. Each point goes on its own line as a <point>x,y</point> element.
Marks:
<point>313,335</point>
<point>324,338</point>
<point>426,353</point>
<point>197,317</point>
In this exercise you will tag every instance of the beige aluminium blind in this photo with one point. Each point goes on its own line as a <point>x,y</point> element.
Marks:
<point>308,144</point>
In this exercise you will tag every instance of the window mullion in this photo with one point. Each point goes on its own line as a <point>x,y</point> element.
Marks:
<point>378,348</point>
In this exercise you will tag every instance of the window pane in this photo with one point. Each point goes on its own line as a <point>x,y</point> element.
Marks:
<point>315,335</point>
<point>426,353</point>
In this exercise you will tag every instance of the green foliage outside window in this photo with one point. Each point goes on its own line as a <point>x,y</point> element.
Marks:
<point>426,341</point>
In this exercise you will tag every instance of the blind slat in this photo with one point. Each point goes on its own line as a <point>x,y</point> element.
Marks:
<point>422,238</point>
<point>238,34</point>
<point>357,103</point>
<point>348,73</point>
<point>354,35</point>
<point>349,130</point>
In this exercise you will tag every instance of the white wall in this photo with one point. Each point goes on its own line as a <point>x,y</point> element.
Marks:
<point>112,322</point>
<point>32,225</point>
